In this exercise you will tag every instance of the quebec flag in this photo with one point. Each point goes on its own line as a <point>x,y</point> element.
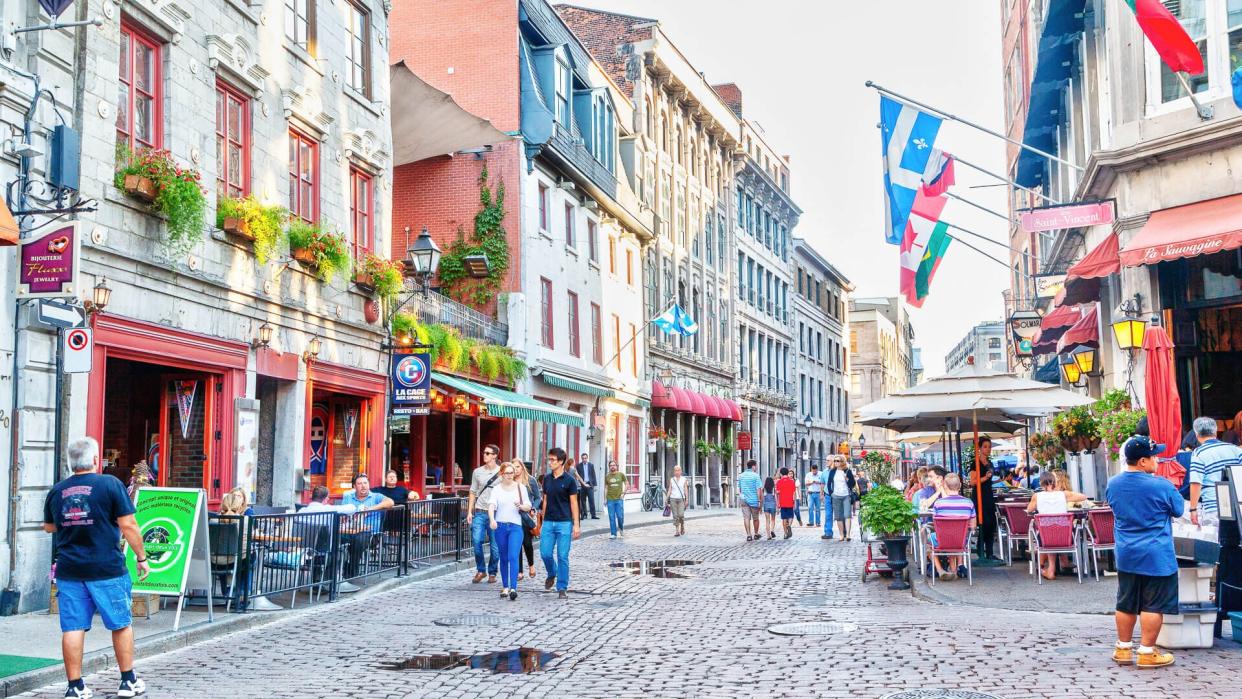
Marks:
<point>675,321</point>
<point>908,137</point>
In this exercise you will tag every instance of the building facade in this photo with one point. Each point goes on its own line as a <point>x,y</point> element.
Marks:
<point>985,343</point>
<point>881,359</point>
<point>821,298</point>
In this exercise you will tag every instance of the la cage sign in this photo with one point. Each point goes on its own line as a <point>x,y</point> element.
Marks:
<point>409,380</point>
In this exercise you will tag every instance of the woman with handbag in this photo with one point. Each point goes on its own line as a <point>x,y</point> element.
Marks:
<point>508,514</point>
<point>533,490</point>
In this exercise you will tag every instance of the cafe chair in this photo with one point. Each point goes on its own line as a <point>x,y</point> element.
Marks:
<point>1014,525</point>
<point>1100,537</point>
<point>224,542</point>
<point>952,539</point>
<point>1054,534</point>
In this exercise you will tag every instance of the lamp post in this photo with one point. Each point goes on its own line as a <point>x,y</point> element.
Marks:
<point>1129,331</point>
<point>424,257</point>
<point>1070,370</point>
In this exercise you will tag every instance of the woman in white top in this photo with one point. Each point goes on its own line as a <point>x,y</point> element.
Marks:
<point>678,494</point>
<point>1051,501</point>
<point>504,515</point>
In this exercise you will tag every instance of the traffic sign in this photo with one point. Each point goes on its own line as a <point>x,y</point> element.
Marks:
<point>77,350</point>
<point>59,314</point>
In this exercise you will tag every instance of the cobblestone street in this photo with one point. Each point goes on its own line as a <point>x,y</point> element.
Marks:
<point>623,635</point>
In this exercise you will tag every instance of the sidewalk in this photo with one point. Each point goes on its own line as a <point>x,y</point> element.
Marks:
<point>30,643</point>
<point>1013,588</point>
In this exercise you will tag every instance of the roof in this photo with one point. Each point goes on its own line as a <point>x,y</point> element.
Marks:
<point>605,35</point>
<point>828,268</point>
<point>731,94</point>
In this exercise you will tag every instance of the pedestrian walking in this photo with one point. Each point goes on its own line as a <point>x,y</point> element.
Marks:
<point>614,494</point>
<point>588,480</point>
<point>749,485</point>
<point>88,513</point>
<point>530,529</point>
<point>482,481</point>
<point>769,507</point>
<point>504,515</point>
<point>1208,463</point>
<point>560,521</point>
<point>1144,507</point>
<point>839,484</point>
<point>678,496</point>
<point>814,497</point>
<point>786,498</point>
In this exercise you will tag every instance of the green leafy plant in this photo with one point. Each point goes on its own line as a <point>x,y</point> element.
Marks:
<point>1117,426</point>
<point>179,197</point>
<point>1046,449</point>
<point>265,222</point>
<point>885,511</point>
<point>704,448</point>
<point>1076,427</point>
<point>1111,401</point>
<point>386,277</point>
<point>487,238</point>
<point>672,441</point>
<point>449,349</point>
<point>727,447</point>
<point>327,252</point>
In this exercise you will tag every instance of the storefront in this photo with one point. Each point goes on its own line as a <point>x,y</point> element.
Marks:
<point>344,427</point>
<point>165,397</point>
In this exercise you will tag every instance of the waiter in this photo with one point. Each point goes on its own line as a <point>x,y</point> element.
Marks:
<point>987,505</point>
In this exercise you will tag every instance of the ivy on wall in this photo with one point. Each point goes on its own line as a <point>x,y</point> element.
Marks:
<point>449,348</point>
<point>488,238</point>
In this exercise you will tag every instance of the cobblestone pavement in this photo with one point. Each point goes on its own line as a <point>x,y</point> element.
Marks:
<point>622,635</point>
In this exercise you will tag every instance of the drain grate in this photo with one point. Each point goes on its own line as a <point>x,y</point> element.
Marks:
<point>813,628</point>
<point>475,620</point>
<point>939,694</point>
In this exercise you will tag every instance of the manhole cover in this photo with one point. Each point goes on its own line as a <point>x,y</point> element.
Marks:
<point>474,620</point>
<point>813,628</point>
<point>939,694</point>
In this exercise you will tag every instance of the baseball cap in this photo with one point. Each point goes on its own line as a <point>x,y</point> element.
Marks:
<point>1139,446</point>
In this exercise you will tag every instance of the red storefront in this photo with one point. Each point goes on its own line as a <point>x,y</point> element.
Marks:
<point>344,425</point>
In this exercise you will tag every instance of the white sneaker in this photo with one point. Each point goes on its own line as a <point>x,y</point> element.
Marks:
<point>263,604</point>
<point>132,689</point>
<point>347,587</point>
<point>75,693</point>
<point>612,536</point>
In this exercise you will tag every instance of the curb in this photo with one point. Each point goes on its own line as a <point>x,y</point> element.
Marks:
<point>227,622</point>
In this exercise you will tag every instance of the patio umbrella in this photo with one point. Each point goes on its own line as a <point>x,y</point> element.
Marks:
<point>1164,406</point>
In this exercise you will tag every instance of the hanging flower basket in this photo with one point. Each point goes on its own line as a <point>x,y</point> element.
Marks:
<point>142,188</point>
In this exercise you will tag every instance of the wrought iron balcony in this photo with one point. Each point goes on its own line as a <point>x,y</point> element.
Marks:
<point>435,307</point>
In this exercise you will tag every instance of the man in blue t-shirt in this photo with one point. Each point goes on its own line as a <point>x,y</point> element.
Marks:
<point>1144,506</point>
<point>361,528</point>
<point>748,486</point>
<point>88,513</point>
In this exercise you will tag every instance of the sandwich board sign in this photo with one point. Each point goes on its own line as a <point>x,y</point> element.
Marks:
<point>173,525</point>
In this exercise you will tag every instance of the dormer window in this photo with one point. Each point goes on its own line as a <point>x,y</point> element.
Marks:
<point>562,92</point>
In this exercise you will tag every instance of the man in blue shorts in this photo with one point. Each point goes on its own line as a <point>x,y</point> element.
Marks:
<point>88,513</point>
<point>748,486</point>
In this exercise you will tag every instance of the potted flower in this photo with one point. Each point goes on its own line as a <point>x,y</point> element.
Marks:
<point>1046,449</point>
<point>704,448</point>
<point>885,512</point>
<point>313,247</point>
<point>379,275</point>
<point>154,178</point>
<point>253,220</point>
<point>671,440</point>
<point>1077,429</point>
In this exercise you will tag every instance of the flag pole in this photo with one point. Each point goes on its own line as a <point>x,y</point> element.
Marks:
<point>1007,181</point>
<point>928,108</point>
<point>1204,112</point>
<point>980,207</point>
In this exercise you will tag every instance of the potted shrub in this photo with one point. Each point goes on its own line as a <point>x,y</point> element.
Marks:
<point>253,220</point>
<point>885,513</point>
<point>152,177</point>
<point>379,275</point>
<point>310,245</point>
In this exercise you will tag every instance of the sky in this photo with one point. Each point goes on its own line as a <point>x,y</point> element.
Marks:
<point>802,65</point>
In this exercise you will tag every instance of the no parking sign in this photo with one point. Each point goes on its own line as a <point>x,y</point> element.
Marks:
<point>77,350</point>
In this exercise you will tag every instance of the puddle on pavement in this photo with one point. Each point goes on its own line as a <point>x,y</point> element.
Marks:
<point>518,661</point>
<point>657,569</point>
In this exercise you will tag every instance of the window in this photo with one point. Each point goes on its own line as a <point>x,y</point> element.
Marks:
<point>633,349</point>
<point>300,23</point>
<point>616,340</point>
<point>633,444</point>
<point>575,347</point>
<point>597,335</point>
<point>543,207</point>
<point>592,241</point>
<point>546,337</point>
<point>612,255</point>
<point>629,267</point>
<point>570,238</point>
<point>1194,18</point>
<point>562,93</point>
<point>303,176</point>
<point>359,54</point>
<point>139,114</point>
<point>361,205</point>
<point>232,142</point>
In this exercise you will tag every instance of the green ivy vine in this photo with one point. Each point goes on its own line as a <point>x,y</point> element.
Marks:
<point>489,238</point>
<point>449,348</point>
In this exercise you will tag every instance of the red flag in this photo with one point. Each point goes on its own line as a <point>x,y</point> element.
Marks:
<point>1174,45</point>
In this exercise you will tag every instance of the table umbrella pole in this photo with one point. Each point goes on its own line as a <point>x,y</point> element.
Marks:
<point>978,484</point>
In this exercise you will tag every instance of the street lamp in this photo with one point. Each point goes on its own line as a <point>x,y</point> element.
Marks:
<point>100,296</point>
<point>1084,357</point>
<point>424,256</point>
<point>312,349</point>
<point>1130,329</point>
<point>1070,370</point>
<point>265,336</point>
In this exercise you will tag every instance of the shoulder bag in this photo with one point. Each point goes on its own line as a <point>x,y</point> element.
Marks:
<point>529,520</point>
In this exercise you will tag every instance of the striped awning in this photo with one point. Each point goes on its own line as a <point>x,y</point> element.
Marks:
<point>575,385</point>
<point>503,403</point>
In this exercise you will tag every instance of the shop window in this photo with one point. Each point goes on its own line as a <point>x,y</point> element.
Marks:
<point>300,23</point>
<point>633,452</point>
<point>575,346</point>
<point>232,142</point>
<point>545,326</point>
<point>139,112</point>
<point>361,204</point>
<point>303,176</point>
<point>359,54</point>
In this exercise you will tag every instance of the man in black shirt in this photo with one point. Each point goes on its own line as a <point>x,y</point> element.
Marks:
<point>560,521</point>
<point>586,492</point>
<point>89,513</point>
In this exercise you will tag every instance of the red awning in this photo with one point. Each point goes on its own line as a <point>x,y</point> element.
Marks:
<point>1060,317</point>
<point>711,406</point>
<point>1078,291</point>
<point>697,405</point>
<point>1099,263</point>
<point>735,410</point>
<point>722,409</point>
<point>1202,228</point>
<point>661,397</point>
<point>1084,333</point>
<point>681,399</point>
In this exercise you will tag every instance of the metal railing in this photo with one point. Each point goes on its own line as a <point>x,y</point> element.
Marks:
<point>437,529</point>
<point>437,308</point>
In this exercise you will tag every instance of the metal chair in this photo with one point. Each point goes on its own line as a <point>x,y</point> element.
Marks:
<point>953,539</point>
<point>1014,525</point>
<point>1100,535</point>
<point>1052,535</point>
<point>224,542</point>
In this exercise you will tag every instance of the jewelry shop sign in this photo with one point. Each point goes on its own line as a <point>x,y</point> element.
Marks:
<point>49,264</point>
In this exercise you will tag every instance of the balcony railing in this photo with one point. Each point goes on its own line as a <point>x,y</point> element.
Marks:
<point>574,149</point>
<point>435,307</point>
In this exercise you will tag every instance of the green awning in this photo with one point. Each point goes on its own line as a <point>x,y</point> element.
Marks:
<point>502,403</point>
<point>643,403</point>
<point>574,385</point>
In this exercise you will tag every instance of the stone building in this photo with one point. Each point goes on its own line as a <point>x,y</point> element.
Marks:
<point>820,321</point>
<point>985,342</point>
<point>881,358</point>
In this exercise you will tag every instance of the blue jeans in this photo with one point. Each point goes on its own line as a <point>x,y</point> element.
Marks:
<point>480,532</point>
<point>814,504</point>
<point>558,535</point>
<point>509,538</point>
<point>616,516</point>
<point>78,600</point>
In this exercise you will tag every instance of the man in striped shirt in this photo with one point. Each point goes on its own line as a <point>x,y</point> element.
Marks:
<point>951,503</point>
<point>1207,463</point>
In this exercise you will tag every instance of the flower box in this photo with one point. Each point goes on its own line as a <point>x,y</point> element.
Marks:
<point>141,188</point>
<point>239,227</point>
<point>303,255</point>
<point>365,282</point>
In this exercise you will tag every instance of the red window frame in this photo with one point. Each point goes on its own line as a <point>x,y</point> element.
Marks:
<point>592,242</point>
<point>629,267</point>
<point>543,207</point>
<point>633,349</point>
<point>302,204</point>
<point>546,334</point>
<point>633,433</point>
<point>575,343</point>
<point>361,210</point>
<point>612,255</point>
<point>597,334</point>
<point>133,36</point>
<point>571,238</point>
<point>228,99</point>
<point>616,340</point>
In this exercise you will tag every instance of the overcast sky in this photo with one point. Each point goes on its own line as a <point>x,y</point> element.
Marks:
<point>801,65</point>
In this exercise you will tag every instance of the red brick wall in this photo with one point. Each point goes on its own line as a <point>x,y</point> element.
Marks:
<point>731,94</point>
<point>602,33</point>
<point>185,463</point>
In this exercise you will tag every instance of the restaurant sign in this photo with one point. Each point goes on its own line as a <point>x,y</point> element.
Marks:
<point>173,523</point>
<point>49,264</point>
<point>1023,325</point>
<point>1209,245</point>
<point>744,442</point>
<point>409,381</point>
<point>1047,286</point>
<point>1051,218</point>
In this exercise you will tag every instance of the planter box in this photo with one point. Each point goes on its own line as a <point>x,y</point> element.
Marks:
<point>303,256</point>
<point>239,227</point>
<point>364,282</point>
<point>142,188</point>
